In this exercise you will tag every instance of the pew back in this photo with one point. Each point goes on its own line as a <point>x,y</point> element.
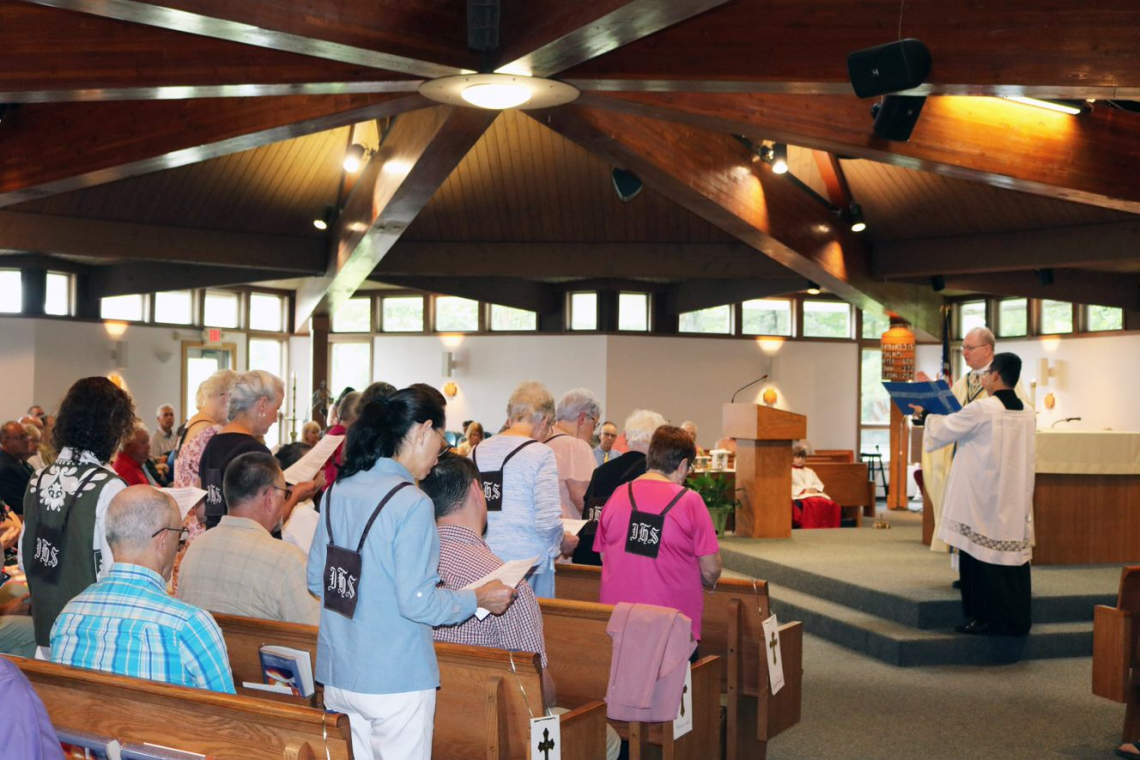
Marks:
<point>1115,635</point>
<point>847,484</point>
<point>481,710</point>
<point>219,725</point>
<point>839,456</point>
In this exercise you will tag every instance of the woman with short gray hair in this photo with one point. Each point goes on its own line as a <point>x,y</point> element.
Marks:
<point>212,398</point>
<point>254,403</point>
<point>520,480</point>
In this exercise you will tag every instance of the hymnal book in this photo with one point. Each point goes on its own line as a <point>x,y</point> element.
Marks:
<point>934,397</point>
<point>287,668</point>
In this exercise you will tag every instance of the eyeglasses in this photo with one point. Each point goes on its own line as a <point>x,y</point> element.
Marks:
<point>182,532</point>
<point>970,348</point>
<point>444,446</point>
<point>286,490</point>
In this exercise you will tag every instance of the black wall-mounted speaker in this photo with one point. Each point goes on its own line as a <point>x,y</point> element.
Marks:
<point>893,67</point>
<point>627,184</point>
<point>896,117</point>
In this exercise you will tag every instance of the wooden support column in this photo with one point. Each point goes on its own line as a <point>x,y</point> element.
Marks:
<point>319,356</point>
<point>900,450</point>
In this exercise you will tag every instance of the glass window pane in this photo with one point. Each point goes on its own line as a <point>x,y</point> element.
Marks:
<point>633,311</point>
<point>351,366</point>
<point>266,312</point>
<point>874,325</point>
<point>221,309</point>
<point>970,315</point>
<point>129,308</point>
<point>507,318</point>
<point>767,316</point>
<point>583,311</point>
<point>827,319</point>
<point>874,401</point>
<point>454,314</point>
<point>11,291</point>
<point>1013,317</point>
<point>1056,317</point>
<point>403,314</point>
<point>174,308</point>
<point>1105,318</point>
<point>269,355</point>
<point>57,294</point>
<point>354,315</point>
<point>876,441</point>
<point>717,319</point>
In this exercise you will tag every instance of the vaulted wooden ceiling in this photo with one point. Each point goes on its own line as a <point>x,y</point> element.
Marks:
<point>208,134</point>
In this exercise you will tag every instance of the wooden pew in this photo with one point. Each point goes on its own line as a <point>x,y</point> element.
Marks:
<point>480,708</point>
<point>579,652</point>
<point>194,720</point>
<point>849,486</point>
<point>731,627</point>
<point>837,456</point>
<point>1116,662</point>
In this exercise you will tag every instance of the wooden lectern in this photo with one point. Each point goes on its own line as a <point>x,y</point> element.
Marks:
<point>764,439</point>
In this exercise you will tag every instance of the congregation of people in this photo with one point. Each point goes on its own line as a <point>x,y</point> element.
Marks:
<point>384,550</point>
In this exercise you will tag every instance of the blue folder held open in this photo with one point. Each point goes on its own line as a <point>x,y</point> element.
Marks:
<point>934,397</point>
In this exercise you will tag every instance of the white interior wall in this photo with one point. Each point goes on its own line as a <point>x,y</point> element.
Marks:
<point>692,378</point>
<point>1094,378</point>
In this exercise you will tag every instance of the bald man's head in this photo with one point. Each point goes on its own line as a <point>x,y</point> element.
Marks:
<point>136,514</point>
<point>978,348</point>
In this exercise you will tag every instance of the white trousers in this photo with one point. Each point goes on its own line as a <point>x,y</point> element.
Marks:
<point>387,726</point>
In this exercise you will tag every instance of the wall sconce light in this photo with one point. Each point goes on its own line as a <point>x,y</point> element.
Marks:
<point>1050,401</point>
<point>449,364</point>
<point>770,396</point>
<point>450,389</point>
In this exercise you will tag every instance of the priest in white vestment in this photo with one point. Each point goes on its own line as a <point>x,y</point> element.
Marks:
<point>987,510</point>
<point>978,352</point>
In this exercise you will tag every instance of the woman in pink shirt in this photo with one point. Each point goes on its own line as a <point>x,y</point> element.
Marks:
<point>656,538</point>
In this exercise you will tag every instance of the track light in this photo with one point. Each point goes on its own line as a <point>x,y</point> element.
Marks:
<point>354,157</point>
<point>855,216</point>
<point>1048,105</point>
<point>324,221</point>
<point>813,288</point>
<point>776,155</point>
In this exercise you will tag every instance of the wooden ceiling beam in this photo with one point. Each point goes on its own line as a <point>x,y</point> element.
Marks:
<point>838,192</point>
<point>596,260</point>
<point>55,148</point>
<point>515,292</point>
<point>127,279</point>
<point>53,55</point>
<point>126,241</point>
<point>1092,158</point>
<point>1085,245</point>
<point>1076,286</point>
<point>1047,48</point>
<point>712,175</point>
<point>544,37</point>
<point>419,39</point>
<point>417,155</point>
<point>690,296</point>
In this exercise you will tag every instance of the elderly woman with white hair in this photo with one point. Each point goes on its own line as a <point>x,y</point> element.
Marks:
<point>254,403</point>
<point>639,428</point>
<point>520,481</point>
<point>212,399</point>
<point>576,416</point>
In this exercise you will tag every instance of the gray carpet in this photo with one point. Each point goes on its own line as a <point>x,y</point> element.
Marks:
<point>857,707</point>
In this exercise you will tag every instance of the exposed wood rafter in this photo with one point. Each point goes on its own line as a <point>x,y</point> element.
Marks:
<point>1093,158</point>
<point>1068,285</point>
<point>711,175</point>
<point>505,291</point>
<point>96,238</point>
<point>123,279</point>
<point>692,296</point>
<point>58,147</point>
<point>416,157</point>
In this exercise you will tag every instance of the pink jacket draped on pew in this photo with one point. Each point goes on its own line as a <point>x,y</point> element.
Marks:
<point>652,646</point>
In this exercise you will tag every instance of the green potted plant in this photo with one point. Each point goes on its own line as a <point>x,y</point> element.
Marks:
<point>719,496</point>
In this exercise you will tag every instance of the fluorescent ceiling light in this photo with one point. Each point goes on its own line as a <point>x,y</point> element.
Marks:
<point>1048,105</point>
<point>496,96</point>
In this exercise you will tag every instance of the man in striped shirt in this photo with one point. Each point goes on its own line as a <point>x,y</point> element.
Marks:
<point>461,518</point>
<point>126,623</point>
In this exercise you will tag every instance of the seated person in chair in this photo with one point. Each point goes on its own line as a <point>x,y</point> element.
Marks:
<point>811,507</point>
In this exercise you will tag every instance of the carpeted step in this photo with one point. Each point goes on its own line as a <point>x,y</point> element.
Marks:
<point>907,646</point>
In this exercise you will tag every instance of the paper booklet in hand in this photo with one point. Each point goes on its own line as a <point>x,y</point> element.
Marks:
<point>934,397</point>
<point>285,671</point>
<point>511,574</point>
<point>307,467</point>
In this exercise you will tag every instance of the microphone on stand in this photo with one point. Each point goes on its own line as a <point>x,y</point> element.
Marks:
<point>1067,419</point>
<point>757,380</point>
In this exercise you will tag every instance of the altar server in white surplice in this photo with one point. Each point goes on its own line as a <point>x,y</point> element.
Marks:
<point>987,510</point>
<point>977,351</point>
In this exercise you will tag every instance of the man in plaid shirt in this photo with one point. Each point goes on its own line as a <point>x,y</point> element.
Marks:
<point>461,519</point>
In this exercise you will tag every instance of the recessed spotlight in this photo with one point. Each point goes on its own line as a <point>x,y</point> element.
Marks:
<point>813,288</point>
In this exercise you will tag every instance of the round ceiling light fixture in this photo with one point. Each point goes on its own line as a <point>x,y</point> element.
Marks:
<point>499,91</point>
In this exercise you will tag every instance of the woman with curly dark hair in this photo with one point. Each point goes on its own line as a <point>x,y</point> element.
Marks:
<point>64,547</point>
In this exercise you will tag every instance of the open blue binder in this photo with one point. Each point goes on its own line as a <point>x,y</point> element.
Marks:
<point>935,397</point>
